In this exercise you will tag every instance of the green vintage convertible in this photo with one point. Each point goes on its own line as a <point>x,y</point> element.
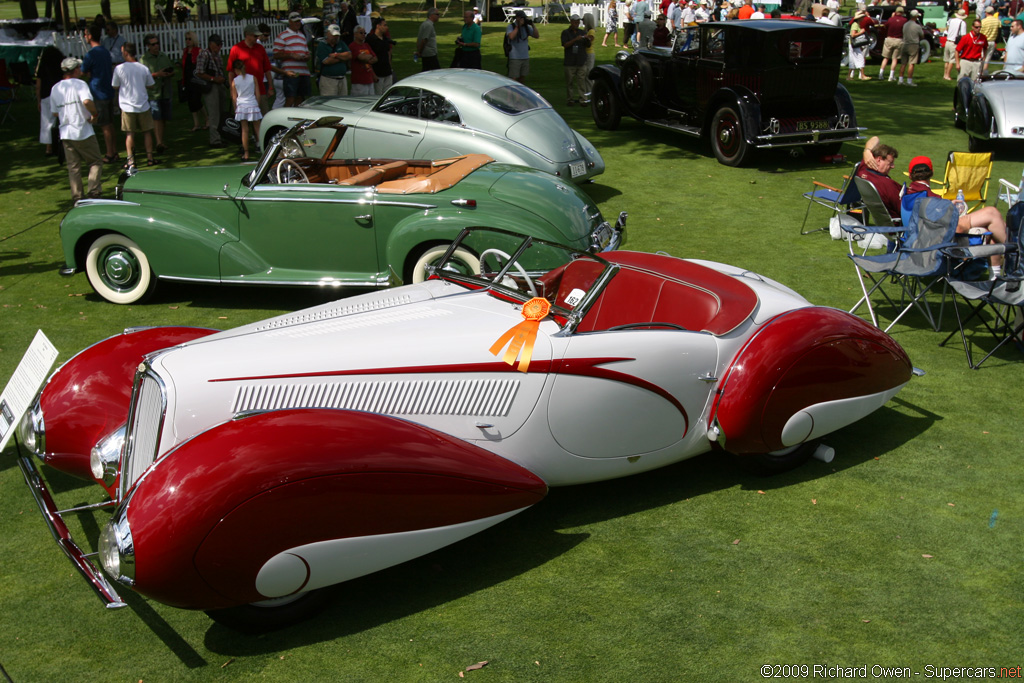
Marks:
<point>302,216</point>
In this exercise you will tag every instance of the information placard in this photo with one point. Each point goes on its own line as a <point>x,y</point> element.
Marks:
<point>21,389</point>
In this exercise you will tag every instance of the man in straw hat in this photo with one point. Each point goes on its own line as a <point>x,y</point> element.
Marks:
<point>956,29</point>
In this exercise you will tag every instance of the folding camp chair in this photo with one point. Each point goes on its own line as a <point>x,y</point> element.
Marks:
<point>1003,296</point>
<point>1009,192</point>
<point>875,228</point>
<point>970,173</point>
<point>839,200</point>
<point>916,262</point>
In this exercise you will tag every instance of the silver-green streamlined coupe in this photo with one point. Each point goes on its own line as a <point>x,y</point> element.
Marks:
<point>305,216</point>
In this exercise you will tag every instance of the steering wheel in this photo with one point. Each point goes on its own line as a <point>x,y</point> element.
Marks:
<point>522,272</point>
<point>1003,75</point>
<point>292,172</point>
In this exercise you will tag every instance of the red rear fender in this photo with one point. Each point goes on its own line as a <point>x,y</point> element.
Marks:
<point>87,398</point>
<point>216,508</point>
<point>802,358</point>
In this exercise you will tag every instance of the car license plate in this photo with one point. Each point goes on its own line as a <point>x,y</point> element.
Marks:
<point>812,125</point>
<point>577,168</point>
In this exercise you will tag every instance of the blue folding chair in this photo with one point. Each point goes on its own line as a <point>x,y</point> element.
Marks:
<point>915,263</point>
<point>837,200</point>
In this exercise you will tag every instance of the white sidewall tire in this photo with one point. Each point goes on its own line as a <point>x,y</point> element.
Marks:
<point>143,285</point>
<point>419,270</point>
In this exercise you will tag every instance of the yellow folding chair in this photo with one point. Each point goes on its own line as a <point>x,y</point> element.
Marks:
<point>968,172</point>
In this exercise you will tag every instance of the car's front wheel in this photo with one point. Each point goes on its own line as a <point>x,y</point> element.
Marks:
<point>270,615</point>
<point>780,461</point>
<point>604,105</point>
<point>118,269</point>
<point>925,52</point>
<point>463,261</point>
<point>637,82</point>
<point>727,140</point>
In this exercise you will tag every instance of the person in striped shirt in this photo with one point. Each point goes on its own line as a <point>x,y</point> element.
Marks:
<point>292,48</point>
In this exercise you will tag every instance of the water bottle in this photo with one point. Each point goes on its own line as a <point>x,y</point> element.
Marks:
<point>960,202</point>
<point>415,57</point>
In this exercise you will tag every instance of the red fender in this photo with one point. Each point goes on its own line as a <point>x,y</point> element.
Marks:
<point>87,398</point>
<point>213,510</point>
<point>799,359</point>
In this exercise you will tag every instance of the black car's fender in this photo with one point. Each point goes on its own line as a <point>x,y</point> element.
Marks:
<point>979,118</point>
<point>747,104</point>
<point>844,104</point>
<point>962,95</point>
<point>609,73</point>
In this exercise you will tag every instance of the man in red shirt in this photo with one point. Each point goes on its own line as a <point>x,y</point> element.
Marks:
<point>746,10</point>
<point>970,52</point>
<point>363,59</point>
<point>257,64</point>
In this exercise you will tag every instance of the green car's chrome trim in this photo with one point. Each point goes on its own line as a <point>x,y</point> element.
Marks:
<point>380,280</point>
<point>167,193</point>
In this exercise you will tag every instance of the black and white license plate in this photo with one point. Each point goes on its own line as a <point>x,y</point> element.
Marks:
<point>577,168</point>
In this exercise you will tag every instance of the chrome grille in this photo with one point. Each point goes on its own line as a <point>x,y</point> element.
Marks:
<point>482,398</point>
<point>144,424</point>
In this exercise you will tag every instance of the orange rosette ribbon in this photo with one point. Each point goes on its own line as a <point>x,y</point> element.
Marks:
<point>524,334</point>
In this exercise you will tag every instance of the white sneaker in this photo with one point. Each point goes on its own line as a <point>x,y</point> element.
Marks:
<point>911,84</point>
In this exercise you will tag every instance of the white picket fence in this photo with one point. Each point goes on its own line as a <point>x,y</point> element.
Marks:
<point>172,36</point>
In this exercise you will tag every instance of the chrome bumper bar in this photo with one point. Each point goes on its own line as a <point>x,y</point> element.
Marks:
<point>55,522</point>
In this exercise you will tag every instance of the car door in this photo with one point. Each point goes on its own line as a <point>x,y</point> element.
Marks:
<point>393,130</point>
<point>629,392</point>
<point>310,233</point>
<point>684,68</point>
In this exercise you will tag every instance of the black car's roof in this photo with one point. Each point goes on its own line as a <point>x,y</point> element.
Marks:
<point>772,25</point>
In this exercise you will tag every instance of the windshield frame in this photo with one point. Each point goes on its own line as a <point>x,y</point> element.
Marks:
<point>566,318</point>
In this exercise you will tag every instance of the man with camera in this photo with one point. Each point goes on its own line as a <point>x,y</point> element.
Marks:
<point>518,35</point>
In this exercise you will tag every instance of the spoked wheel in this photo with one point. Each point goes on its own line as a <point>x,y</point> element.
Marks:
<point>604,106</point>
<point>118,270</point>
<point>727,141</point>
<point>637,82</point>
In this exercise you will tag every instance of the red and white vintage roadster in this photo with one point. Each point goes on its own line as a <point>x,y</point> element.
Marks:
<point>250,467</point>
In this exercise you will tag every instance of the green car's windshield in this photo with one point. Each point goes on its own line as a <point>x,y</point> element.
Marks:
<point>515,99</point>
<point>521,267</point>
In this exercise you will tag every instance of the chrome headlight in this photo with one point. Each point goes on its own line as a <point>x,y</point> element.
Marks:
<point>105,456</point>
<point>117,551</point>
<point>31,432</point>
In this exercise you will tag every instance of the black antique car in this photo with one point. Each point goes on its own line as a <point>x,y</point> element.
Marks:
<point>741,84</point>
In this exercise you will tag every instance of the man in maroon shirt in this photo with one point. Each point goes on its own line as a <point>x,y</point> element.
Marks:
<point>878,160</point>
<point>892,48</point>
<point>970,52</point>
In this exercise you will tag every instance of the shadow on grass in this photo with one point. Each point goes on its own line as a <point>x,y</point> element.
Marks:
<point>533,538</point>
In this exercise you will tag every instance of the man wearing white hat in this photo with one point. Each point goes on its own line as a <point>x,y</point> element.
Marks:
<point>956,28</point>
<point>575,43</point>
<point>333,57</point>
<point>71,102</point>
<point>913,34</point>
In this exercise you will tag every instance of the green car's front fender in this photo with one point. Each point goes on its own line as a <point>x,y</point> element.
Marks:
<point>183,243</point>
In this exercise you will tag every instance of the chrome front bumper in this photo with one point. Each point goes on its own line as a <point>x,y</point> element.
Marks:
<point>54,519</point>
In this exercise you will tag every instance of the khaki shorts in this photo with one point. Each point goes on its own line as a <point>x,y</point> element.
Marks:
<point>891,48</point>
<point>910,54</point>
<point>136,121</point>
<point>949,52</point>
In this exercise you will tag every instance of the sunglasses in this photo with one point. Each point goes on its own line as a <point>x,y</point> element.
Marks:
<point>153,44</point>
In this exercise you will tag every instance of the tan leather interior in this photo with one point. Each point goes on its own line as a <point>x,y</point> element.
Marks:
<point>395,177</point>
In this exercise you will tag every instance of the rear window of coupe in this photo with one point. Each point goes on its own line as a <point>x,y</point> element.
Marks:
<point>514,99</point>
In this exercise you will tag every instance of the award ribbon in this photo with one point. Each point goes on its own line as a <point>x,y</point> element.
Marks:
<point>524,334</point>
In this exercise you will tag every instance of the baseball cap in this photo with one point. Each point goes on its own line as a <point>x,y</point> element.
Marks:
<point>250,30</point>
<point>900,10</point>
<point>294,16</point>
<point>574,17</point>
<point>961,13</point>
<point>215,38</point>
<point>69,64</point>
<point>334,30</point>
<point>914,13</point>
<point>919,161</point>
<point>990,10</point>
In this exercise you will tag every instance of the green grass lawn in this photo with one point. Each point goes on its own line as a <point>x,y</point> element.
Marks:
<point>905,551</point>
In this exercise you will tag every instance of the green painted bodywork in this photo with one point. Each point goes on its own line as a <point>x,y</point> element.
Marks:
<point>208,224</point>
